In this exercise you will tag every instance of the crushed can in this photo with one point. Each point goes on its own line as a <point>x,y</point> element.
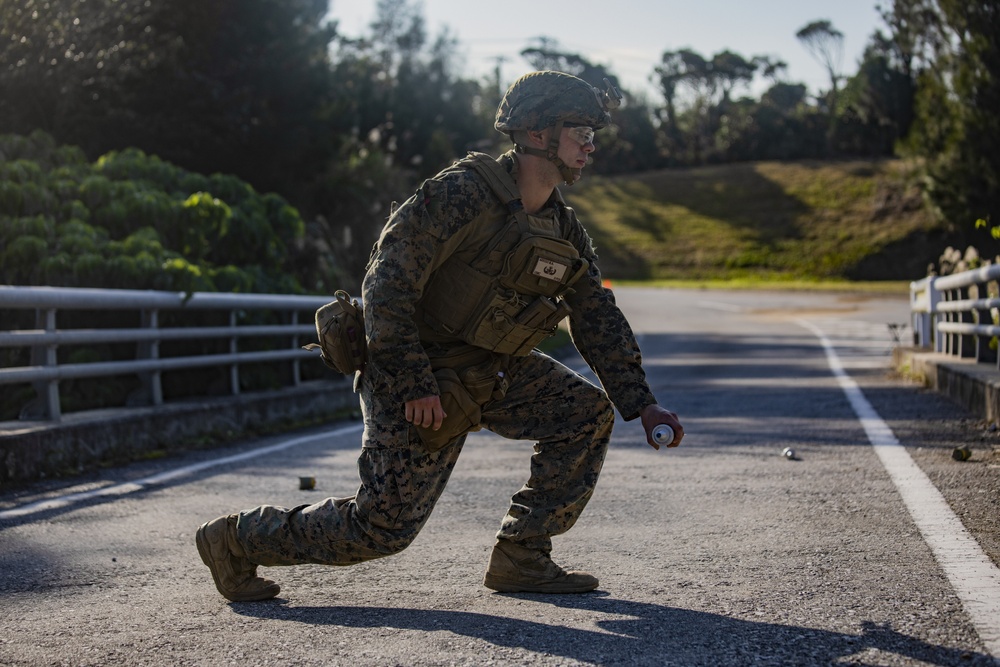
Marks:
<point>961,454</point>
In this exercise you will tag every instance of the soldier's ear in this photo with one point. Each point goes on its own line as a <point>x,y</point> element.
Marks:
<point>539,138</point>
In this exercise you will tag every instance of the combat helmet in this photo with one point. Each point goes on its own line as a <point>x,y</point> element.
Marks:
<point>554,99</point>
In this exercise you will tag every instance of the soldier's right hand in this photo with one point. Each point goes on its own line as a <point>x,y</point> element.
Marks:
<point>426,412</point>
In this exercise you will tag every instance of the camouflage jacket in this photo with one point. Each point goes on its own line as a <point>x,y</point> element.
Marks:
<point>456,212</point>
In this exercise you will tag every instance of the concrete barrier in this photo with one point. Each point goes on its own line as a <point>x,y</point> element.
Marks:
<point>973,385</point>
<point>84,441</point>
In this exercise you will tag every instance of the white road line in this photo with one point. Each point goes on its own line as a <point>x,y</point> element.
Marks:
<point>974,577</point>
<point>125,488</point>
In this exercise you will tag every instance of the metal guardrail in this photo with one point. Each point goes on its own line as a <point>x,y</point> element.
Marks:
<point>958,314</point>
<point>46,371</point>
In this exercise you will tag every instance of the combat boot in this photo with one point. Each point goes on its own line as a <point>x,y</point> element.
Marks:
<point>234,575</point>
<point>517,569</point>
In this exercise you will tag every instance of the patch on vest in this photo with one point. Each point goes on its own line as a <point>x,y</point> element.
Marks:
<point>546,268</point>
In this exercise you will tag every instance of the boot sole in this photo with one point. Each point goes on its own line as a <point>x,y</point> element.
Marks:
<point>508,586</point>
<point>204,550</point>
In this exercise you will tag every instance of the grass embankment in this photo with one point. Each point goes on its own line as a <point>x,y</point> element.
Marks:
<point>794,223</point>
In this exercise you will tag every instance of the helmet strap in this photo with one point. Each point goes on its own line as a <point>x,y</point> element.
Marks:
<point>551,153</point>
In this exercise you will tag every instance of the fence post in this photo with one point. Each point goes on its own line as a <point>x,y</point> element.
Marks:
<point>46,405</point>
<point>923,303</point>
<point>151,392</point>
<point>935,299</point>
<point>234,347</point>
<point>982,316</point>
<point>966,342</point>
<point>296,364</point>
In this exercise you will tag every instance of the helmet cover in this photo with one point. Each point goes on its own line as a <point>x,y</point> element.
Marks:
<point>542,99</point>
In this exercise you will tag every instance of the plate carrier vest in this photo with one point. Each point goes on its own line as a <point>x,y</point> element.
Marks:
<point>512,307</point>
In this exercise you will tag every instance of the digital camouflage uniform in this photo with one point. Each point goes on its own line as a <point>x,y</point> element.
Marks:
<point>570,419</point>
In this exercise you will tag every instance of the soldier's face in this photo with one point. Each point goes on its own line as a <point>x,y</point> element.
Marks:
<point>575,146</point>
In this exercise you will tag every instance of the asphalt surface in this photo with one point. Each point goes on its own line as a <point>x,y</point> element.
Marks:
<point>719,552</point>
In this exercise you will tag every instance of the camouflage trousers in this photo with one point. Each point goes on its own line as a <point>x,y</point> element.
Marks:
<point>569,418</point>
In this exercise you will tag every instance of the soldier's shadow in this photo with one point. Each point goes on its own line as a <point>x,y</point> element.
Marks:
<point>649,634</point>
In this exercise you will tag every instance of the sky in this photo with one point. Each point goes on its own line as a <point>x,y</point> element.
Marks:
<point>630,36</point>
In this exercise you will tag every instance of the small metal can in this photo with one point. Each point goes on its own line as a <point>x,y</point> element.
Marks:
<point>663,434</point>
<point>961,453</point>
<point>788,453</point>
<point>307,483</point>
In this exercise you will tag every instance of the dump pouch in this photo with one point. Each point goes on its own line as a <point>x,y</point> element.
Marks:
<point>456,401</point>
<point>467,381</point>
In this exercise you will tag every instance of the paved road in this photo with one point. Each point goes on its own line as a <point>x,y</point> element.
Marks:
<point>721,552</point>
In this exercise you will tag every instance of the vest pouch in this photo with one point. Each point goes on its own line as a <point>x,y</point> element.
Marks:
<point>463,412</point>
<point>485,382</point>
<point>493,323</point>
<point>544,313</point>
<point>542,265</point>
<point>507,326</point>
<point>541,320</point>
<point>496,327</point>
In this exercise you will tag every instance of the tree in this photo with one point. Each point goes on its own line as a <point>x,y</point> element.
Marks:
<point>244,94</point>
<point>877,103</point>
<point>957,128</point>
<point>825,43</point>
<point>629,145</point>
<point>772,70</point>
<point>731,70</point>
<point>231,86</point>
<point>406,98</point>
<point>914,33</point>
<point>399,113</point>
<point>785,97</point>
<point>697,76</point>
<point>548,56</point>
<point>66,65</point>
<point>398,32</point>
<point>709,83</point>
<point>671,71</point>
<point>782,123</point>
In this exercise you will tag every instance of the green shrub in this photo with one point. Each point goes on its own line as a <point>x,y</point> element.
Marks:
<point>131,220</point>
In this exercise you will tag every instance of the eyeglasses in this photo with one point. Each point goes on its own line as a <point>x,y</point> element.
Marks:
<point>581,135</point>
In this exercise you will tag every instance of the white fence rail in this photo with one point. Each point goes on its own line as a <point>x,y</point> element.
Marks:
<point>45,371</point>
<point>958,314</point>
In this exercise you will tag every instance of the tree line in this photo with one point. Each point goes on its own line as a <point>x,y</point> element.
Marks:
<point>340,125</point>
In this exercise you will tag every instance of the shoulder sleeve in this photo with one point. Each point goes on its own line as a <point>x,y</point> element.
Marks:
<point>449,201</point>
